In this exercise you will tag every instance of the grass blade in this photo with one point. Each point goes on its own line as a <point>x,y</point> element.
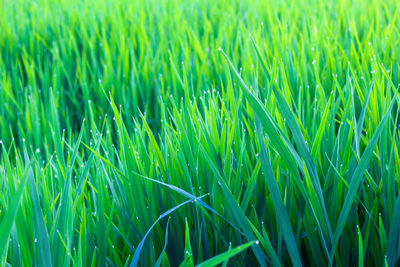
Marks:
<point>8,219</point>
<point>226,255</point>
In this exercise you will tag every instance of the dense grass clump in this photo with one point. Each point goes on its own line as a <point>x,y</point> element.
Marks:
<point>167,133</point>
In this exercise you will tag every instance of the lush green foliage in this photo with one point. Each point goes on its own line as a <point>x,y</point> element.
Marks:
<point>199,132</point>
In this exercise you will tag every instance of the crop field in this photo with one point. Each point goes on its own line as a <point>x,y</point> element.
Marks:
<point>199,133</point>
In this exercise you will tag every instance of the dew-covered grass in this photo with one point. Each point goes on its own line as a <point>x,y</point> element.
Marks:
<point>182,133</point>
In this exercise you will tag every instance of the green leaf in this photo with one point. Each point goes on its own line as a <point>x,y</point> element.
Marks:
<point>360,249</point>
<point>392,251</point>
<point>356,178</point>
<point>226,255</point>
<point>188,254</point>
<point>8,219</point>
<point>162,254</point>
<point>42,237</point>
<point>283,219</point>
<point>136,256</point>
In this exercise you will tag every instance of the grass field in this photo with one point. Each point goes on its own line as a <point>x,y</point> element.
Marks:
<point>182,133</point>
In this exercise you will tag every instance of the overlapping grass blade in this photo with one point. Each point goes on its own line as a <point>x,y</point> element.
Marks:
<point>226,255</point>
<point>357,178</point>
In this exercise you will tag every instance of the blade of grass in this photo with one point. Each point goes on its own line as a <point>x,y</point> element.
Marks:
<point>356,179</point>
<point>136,256</point>
<point>8,219</point>
<point>226,255</point>
<point>283,219</point>
<point>42,237</point>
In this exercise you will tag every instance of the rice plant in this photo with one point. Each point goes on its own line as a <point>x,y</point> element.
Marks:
<point>209,133</point>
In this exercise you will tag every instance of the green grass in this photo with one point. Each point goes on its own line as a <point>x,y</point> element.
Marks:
<point>182,133</point>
